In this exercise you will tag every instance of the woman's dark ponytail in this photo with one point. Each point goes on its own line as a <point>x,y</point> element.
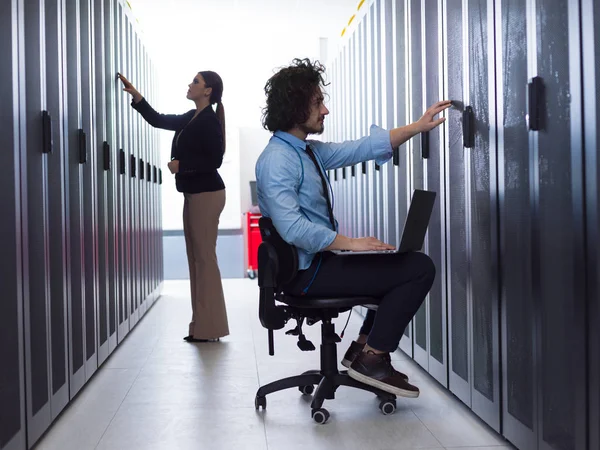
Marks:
<point>221,117</point>
<point>214,81</point>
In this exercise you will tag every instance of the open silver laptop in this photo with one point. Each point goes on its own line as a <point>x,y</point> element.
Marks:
<point>415,226</point>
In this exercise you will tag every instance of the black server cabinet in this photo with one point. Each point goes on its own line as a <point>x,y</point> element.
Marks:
<point>558,242</point>
<point>456,225</point>
<point>375,111</point>
<point>57,203</point>
<point>416,83</point>
<point>433,158</point>
<point>35,146</point>
<point>12,109</point>
<point>401,156</point>
<point>364,126</point>
<point>90,194</point>
<point>471,205</point>
<point>140,249</point>
<point>112,155</point>
<point>131,185</point>
<point>368,29</point>
<point>349,112</point>
<point>102,159</point>
<point>591,75</point>
<point>514,185</point>
<point>542,226</point>
<point>77,154</point>
<point>400,102</point>
<point>344,191</point>
<point>388,106</point>
<point>124,170</point>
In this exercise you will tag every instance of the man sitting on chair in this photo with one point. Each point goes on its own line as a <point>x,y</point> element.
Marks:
<point>294,192</point>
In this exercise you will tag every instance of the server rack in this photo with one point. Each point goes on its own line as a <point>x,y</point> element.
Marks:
<point>12,111</point>
<point>59,269</point>
<point>590,14</point>
<point>89,161</point>
<point>77,153</point>
<point>387,119</point>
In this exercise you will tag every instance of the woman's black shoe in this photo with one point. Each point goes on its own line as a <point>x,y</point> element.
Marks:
<point>191,338</point>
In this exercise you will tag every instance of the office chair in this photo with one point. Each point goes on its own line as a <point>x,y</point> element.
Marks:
<point>278,265</point>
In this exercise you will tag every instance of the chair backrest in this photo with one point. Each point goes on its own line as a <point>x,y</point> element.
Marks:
<point>287,255</point>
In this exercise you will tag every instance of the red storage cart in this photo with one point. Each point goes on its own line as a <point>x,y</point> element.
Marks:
<point>254,240</point>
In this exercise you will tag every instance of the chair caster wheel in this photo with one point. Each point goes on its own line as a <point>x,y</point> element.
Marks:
<point>387,407</point>
<point>260,401</point>
<point>320,415</point>
<point>307,390</point>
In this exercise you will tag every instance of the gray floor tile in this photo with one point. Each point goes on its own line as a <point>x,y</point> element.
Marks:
<point>158,392</point>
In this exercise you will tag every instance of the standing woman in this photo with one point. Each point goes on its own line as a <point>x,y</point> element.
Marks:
<point>196,154</point>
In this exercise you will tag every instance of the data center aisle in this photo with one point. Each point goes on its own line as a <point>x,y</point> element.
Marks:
<point>158,392</point>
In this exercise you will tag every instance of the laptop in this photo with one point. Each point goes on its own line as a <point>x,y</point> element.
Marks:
<point>415,226</point>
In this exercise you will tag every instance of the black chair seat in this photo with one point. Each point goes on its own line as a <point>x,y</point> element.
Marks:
<point>327,303</point>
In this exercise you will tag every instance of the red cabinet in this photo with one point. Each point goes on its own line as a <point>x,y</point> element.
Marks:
<point>252,243</point>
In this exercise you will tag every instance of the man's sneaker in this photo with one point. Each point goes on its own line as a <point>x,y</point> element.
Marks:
<point>377,371</point>
<point>352,352</point>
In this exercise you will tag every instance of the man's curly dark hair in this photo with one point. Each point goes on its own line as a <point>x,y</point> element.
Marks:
<point>289,93</point>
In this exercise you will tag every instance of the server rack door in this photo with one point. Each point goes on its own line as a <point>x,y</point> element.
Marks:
<point>124,161</point>
<point>34,198</point>
<point>558,237</point>
<point>151,187</point>
<point>144,201</point>
<point>131,225</point>
<point>58,242</point>
<point>370,106</point>
<point>375,86</point>
<point>350,105</point>
<point>102,179</point>
<point>519,414</point>
<point>77,150</point>
<point>482,215</point>
<point>456,228</point>
<point>153,230</point>
<point>90,210</point>
<point>591,65</point>
<point>357,129</point>
<point>363,128</point>
<point>416,83</point>
<point>341,135</point>
<point>399,101</point>
<point>387,119</point>
<point>343,199</point>
<point>151,193</point>
<point>143,247</point>
<point>110,82</point>
<point>141,191</point>
<point>12,110</point>
<point>137,183</point>
<point>433,156</point>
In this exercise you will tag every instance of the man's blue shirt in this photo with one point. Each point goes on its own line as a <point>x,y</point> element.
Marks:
<point>290,191</point>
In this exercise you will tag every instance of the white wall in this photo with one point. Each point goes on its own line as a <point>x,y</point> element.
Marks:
<point>245,42</point>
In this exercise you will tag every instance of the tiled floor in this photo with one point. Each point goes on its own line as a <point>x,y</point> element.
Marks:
<point>158,392</point>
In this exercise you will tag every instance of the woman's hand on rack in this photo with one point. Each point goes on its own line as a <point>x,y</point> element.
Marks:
<point>128,87</point>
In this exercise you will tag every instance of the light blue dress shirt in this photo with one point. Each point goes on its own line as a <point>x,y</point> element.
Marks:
<point>290,191</point>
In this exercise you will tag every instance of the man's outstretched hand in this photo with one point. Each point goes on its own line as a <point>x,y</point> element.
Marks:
<point>428,122</point>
